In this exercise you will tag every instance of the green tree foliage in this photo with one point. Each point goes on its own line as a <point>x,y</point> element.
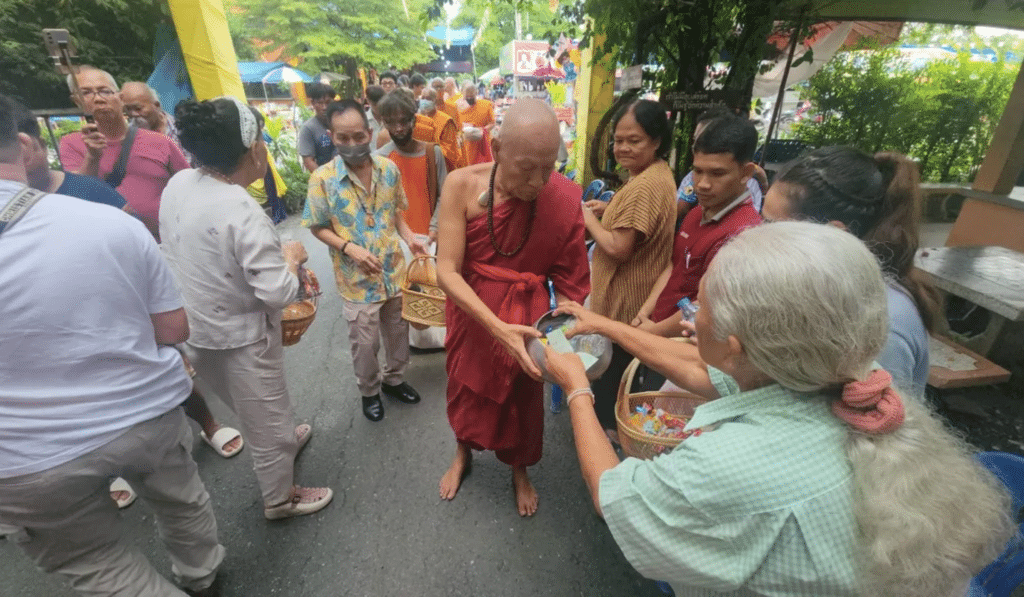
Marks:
<point>943,115</point>
<point>684,39</point>
<point>536,18</point>
<point>340,35</point>
<point>115,35</point>
<point>961,38</point>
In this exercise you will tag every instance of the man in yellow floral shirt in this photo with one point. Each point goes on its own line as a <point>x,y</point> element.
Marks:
<point>354,206</point>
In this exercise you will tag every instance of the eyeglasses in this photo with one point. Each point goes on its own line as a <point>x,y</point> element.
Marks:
<point>104,92</point>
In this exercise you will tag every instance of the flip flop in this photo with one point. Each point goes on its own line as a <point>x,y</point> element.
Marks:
<point>593,190</point>
<point>221,438</point>
<point>120,484</point>
<point>302,435</point>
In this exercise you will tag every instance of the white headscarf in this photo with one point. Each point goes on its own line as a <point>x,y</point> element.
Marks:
<point>246,121</point>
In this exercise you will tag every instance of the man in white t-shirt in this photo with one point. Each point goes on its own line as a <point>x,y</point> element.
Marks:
<point>90,388</point>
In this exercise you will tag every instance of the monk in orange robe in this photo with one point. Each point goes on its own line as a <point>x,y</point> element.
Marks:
<point>446,104</point>
<point>479,114</point>
<point>506,228</point>
<point>445,132</point>
<point>451,90</point>
<point>424,128</point>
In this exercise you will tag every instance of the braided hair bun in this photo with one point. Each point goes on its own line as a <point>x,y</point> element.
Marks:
<point>209,130</point>
<point>876,198</point>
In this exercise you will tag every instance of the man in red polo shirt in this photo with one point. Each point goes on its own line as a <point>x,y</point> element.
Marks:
<point>722,165</point>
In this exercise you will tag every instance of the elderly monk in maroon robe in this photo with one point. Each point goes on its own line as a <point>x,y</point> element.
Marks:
<point>506,228</point>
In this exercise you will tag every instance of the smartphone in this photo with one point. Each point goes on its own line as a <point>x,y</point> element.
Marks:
<point>62,50</point>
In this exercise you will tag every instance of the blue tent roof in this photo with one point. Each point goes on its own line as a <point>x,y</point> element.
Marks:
<point>452,37</point>
<point>257,72</point>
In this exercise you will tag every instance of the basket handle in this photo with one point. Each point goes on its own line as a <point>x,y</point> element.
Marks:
<point>627,377</point>
<point>621,405</point>
<point>417,262</point>
<point>308,279</point>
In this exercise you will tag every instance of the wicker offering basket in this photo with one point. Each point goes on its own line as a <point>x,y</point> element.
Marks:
<point>635,442</point>
<point>296,317</point>
<point>422,299</point>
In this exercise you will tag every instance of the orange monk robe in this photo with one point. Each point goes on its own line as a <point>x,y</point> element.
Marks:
<point>447,136</point>
<point>480,115</point>
<point>448,107</point>
<point>427,130</point>
<point>423,130</point>
<point>413,168</point>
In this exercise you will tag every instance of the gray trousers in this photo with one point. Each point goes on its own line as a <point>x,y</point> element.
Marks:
<point>64,519</point>
<point>250,379</point>
<point>367,324</point>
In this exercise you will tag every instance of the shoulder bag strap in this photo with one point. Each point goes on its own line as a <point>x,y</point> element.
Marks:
<point>116,175</point>
<point>431,176</point>
<point>19,206</point>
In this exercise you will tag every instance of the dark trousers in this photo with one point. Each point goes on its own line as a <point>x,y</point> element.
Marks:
<point>606,387</point>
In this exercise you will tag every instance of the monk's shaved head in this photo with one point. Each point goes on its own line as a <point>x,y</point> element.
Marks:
<point>530,120</point>
<point>526,148</point>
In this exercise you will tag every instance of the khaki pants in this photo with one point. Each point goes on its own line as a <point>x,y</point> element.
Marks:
<point>64,520</point>
<point>250,380</point>
<point>367,324</point>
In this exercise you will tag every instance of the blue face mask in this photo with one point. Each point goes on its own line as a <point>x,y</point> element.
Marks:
<point>426,106</point>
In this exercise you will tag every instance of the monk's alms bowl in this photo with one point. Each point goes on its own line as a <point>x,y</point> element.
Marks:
<point>594,344</point>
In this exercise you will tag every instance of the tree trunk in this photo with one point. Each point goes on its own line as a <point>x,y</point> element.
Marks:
<point>756,21</point>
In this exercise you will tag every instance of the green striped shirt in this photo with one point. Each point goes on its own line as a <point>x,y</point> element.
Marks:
<point>760,503</point>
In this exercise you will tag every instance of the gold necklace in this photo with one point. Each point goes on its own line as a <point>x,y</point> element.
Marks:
<point>370,220</point>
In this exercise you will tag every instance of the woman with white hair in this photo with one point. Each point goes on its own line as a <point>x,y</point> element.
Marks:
<point>805,473</point>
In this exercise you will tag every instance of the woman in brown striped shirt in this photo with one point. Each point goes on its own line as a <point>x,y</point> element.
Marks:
<point>633,232</point>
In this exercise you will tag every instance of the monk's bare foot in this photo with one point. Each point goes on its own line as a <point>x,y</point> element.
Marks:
<point>526,495</point>
<point>452,478</point>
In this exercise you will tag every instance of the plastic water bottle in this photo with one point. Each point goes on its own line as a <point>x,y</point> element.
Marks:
<point>556,390</point>
<point>556,399</point>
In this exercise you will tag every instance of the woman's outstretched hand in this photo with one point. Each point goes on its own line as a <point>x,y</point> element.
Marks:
<point>566,369</point>
<point>587,322</point>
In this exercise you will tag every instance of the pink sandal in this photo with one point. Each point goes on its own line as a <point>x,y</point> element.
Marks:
<point>302,435</point>
<point>304,500</point>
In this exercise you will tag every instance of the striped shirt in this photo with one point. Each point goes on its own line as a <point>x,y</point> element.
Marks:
<point>646,204</point>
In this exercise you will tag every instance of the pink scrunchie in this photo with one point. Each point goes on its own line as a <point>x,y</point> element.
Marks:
<point>872,405</point>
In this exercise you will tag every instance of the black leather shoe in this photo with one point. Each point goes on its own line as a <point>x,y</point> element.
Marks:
<point>373,408</point>
<point>403,392</point>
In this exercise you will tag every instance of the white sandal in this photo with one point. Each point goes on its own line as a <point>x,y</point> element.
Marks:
<point>223,437</point>
<point>119,485</point>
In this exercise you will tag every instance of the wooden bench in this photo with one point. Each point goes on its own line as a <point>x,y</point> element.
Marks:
<point>990,277</point>
<point>953,366</point>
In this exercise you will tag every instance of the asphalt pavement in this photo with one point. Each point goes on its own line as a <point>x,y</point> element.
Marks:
<point>387,533</point>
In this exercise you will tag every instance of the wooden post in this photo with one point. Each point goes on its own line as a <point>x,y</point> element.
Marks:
<point>1005,158</point>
